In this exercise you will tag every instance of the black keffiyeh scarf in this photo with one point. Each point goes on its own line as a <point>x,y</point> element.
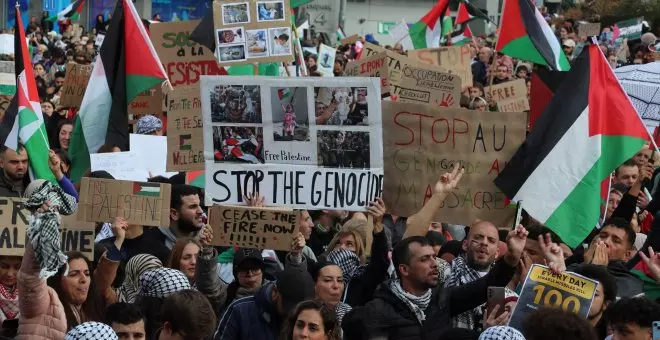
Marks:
<point>43,230</point>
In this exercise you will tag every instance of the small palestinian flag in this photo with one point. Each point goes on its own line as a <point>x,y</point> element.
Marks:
<point>196,178</point>
<point>524,34</point>
<point>184,142</point>
<point>580,138</point>
<point>429,30</point>
<point>462,36</point>
<point>650,287</point>
<point>146,189</point>
<point>70,12</point>
<point>467,12</point>
<point>544,85</point>
<point>283,93</point>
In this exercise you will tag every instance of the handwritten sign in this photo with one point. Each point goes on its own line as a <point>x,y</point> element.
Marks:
<point>150,101</point>
<point>587,29</point>
<point>75,84</point>
<point>427,85</point>
<point>510,96</point>
<point>453,59</point>
<point>422,142</point>
<point>13,225</point>
<point>395,61</point>
<point>568,291</point>
<point>372,66</point>
<point>151,152</point>
<point>185,61</point>
<point>77,236</point>
<point>260,228</point>
<point>121,165</point>
<point>350,40</point>
<point>147,204</point>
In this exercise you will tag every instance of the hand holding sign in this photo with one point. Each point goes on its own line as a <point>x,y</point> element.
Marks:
<point>298,244</point>
<point>515,242</point>
<point>377,211</point>
<point>254,200</point>
<point>119,226</point>
<point>554,256</point>
<point>206,236</point>
<point>653,262</point>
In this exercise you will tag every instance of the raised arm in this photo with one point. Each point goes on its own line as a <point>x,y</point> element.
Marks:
<point>33,291</point>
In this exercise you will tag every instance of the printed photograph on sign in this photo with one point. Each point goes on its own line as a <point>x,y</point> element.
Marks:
<point>270,11</point>
<point>257,43</point>
<point>231,53</point>
<point>231,36</point>
<point>238,144</point>
<point>236,13</point>
<point>290,116</point>
<point>236,104</point>
<point>342,106</point>
<point>280,41</point>
<point>343,149</point>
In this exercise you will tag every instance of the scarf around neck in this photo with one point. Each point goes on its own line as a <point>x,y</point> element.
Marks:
<point>417,304</point>
<point>8,303</point>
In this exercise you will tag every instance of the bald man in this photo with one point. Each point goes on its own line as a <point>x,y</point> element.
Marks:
<point>480,249</point>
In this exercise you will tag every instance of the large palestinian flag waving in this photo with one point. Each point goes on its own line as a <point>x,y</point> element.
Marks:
<point>127,65</point>
<point>23,122</point>
<point>70,12</point>
<point>544,85</point>
<point>436,24</point>
<point>525,35</point>
<point>588,129</point>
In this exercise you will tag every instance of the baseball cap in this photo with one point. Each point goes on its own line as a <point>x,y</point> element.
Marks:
<point>295,286</point>
<point>569,43</point>
<point>249,258</point>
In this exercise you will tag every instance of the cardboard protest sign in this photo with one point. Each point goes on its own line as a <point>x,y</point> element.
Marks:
<point>422,142</point>
<point>250,31</point>
<point>185,61</point>
<point>147,204</point>
<point>427,85</point>
<point>13,225</point>
<point>326,60</point>
<point>395,61</point>
<point>350,40</point>
<point>75,84</point>
<point>316,142</point>
<point>569,291</point>
<point>322,14</point>
<point>372,66</point>
<point>249,227</point>
<point>510,96</point>
<point>588,29</point>
<point>453,59</point>
<point>150,101</point>
<point>77,236</point>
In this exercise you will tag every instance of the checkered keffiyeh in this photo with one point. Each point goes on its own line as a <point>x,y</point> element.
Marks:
<point>148,124</point>
<point>91,331</point>
<point>137,265</point>
<point>501,333</point>
<point>458,274</point>
<point>43,229</point>
<point>349,263</point>
<point>161,282</point>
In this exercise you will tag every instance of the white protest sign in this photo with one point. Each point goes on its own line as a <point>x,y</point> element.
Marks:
<point>121,165</point>
<point>326,60</point>
<point>99,40</point>
<point>322,14</point>
<point>151,152</point>
<point>292,151</point>
<point>6,44</point>
<point>401,35</point>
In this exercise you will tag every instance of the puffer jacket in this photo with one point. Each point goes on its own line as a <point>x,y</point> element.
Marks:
<point>42,314</point>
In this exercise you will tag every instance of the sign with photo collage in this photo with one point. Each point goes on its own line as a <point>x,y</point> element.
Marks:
<point>303,143</point>
<point>252,31</point>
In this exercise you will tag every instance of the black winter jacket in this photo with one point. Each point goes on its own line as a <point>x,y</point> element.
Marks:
<point>386,315</point>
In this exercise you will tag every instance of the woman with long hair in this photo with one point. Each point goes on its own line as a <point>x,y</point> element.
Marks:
<point>329,287</point>
<point>184,257</point>
<point>312,320</point>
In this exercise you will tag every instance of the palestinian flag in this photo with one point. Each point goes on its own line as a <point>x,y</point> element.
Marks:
<point>23,121</point>
<point>70,12</point>
<point>462,36</point>
<point>432,27</point>
<point>146,189</point>
<point>650,287</point>
<point>283,93</point>
<point>184,142</point>
<point>580,138</point>
<point>196,178</point>
<point>467,12</point>
<point>525,35</point>
<point>544,85</point>
<point>119,74</point>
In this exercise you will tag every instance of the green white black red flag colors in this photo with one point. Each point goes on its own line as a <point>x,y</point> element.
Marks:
<point>23,120</point>
<point>70,12</point>
<point>467,12</point>
<point>126,66</point>
<point>461,36</point>
<point>589,128</point>
<point>428,31</point>
<point>524,34</point>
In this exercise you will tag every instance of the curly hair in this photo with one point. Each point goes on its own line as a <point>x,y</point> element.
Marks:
<point>639,310</point>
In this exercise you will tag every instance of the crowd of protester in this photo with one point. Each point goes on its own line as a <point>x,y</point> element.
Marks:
<point>170,282</point>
